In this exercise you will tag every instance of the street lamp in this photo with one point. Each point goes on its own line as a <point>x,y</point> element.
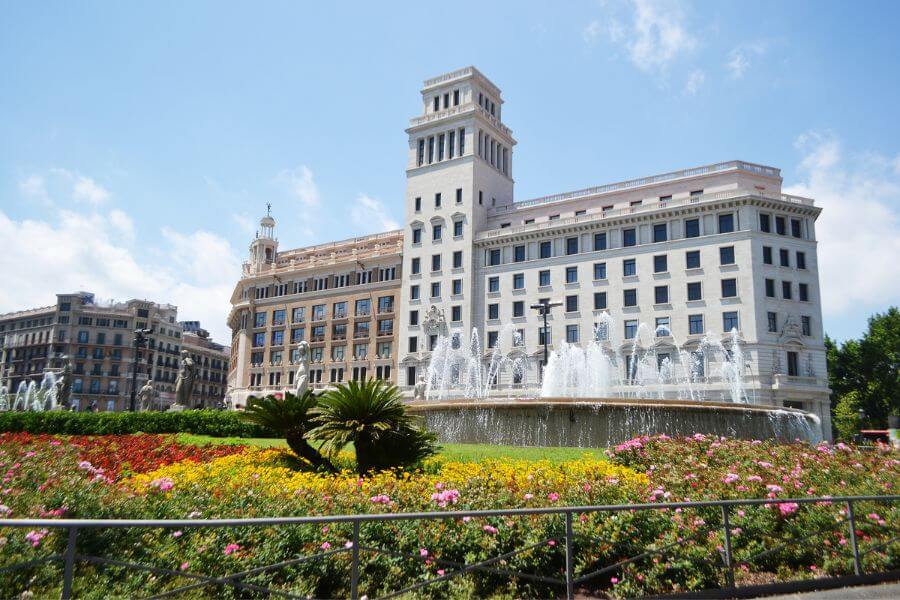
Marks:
<point>140,341</point>
<point>543,307</point>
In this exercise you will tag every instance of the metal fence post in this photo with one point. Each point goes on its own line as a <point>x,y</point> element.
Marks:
<point>354,563</point>
<point>570,571</point>
<point>729,566</point>
<point>857,565</point>
<point>69,568</point>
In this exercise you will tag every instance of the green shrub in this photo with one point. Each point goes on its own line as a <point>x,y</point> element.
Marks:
<point>200,422</point>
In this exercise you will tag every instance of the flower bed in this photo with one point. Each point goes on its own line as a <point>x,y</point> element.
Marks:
<point>155,477</point>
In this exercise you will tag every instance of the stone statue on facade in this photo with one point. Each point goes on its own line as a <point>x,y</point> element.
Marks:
<point>64,385</point>
<point>419,389</point>
<point>434,322</point>
<point>184,385</point>
<point>301,378</point>
<point>146,396</point>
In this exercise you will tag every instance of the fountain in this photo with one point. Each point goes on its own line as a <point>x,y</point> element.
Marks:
<point>602,393</point>
<point>32,396</point>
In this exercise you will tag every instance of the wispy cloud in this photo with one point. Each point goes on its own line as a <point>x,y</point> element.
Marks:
<point>301,184</point>
<point>695,81</point>
<point>85,188</point>
<point>371,215</point>
<point>741,58</point>
<point>33,186</point>
<point>244,223</point>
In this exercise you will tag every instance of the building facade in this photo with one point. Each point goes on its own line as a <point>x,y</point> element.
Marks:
<point>98,340</point>
<point>211,360</point>
<point>340,297</point>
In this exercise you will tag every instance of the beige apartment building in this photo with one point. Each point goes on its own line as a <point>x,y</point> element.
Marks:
<point>339,297</point>
<point>211,360</point>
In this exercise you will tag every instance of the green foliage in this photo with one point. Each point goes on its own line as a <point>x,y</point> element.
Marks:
<point>201,422</point>
<point>846,421</point>
<point>867,368</point>
<point>371,416</point>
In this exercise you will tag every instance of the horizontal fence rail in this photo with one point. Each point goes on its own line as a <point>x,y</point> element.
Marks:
<point>724,561</point>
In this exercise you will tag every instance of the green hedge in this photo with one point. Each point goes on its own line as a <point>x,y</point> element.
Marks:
<point>218,423</point>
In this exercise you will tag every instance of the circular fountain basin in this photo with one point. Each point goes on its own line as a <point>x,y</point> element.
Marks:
<point>601,422</point>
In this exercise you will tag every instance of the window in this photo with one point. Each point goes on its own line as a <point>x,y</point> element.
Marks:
<point>572,334</point>
<point>599,271</point>
<point>692,259</point>
<point>518,281</point>
<point>413,345</point>
<point>695,324</point>
<point>694,291</point>
<point>793,364</point>
<point>518,308</point>
<point>297,334</point>
<point>692,228</point>
<point>278,337</point>
<point>803,292</point>
<point>458,190</point>
<point>786,290</point>
<point>629,237</point>
<point>729,321</point>
<point>83,335</point>
<point>456,313</point>
<point>457,228</point>
<point>806,325</point>
<point>413,292</point>
<point>436,289</point>
<point>492,339</point>
<point>413,317</point>
<point>629,267</point>
<point>660,232</point>
<point>455,97</point>
<point>415,266</point>
<point>519,253</point>
<point>631,327</point>
<point>437,232</point>
<point>418,201</point>
<point>435,262</point>
<point>801,260</point>
<point>571,246</point>
<point>363,307</point>
<point>545,336</point>
<point>599,300</point>
<point>726,223</point>
<point>660,263</point>
<point>663,327</point>
<point>417,235</point>
<point>259,320</point>
<point>386,327</point>
<point>493,284</point>
<point>796,228</point>
<point>729,288</point>
<point>571,274</point>
<point>767,255</point>
<point>571,304</point>
<point>629,297</point>
<point>259,340</point>
<point>784,258</point>
<point>457,287</point>
<point>772,319</point>
<point>457,259</point>
<point>661,294</point>
<point>385,304</point>
<point>493,312</point>
<point>543,278</point>
<point>726,255</point>
<point>437,200</point>
<point>765,223</point>
<point>770,288</point>
<point>546,249</point>
<point>494,257</point>
<point>780,226</point>
<point>599,241</point>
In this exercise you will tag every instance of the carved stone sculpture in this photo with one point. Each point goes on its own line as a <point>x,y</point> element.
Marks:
<point>419,389</point>
<point>434,322</point>
<point>64,385</point>
<point>301,378</point>
<point>146,395</point>
<point>184,385</point>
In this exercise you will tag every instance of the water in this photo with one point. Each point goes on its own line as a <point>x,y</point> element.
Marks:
<point>653,364</point>
<point>31,396</point>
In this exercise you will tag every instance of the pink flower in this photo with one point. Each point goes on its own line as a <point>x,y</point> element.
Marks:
<point>35,537</point>
<point>552,496</point>
<point>348,545</point>
<point>231,549</point>
<point>731,478</point>
<point>614,580</point>
<point>774,488</point>
<point>381,499</point>
<point>441,572</point>
<point>528,496</point>
<point>423,552</point>
<point>788,508</point>
<point>489,529</point>
<point>184,566</point>
<point>176,534</point>
<point>445,497</point>
<point>164,484</point>
<point>325,545</point>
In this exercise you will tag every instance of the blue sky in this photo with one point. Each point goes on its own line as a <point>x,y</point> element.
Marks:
<point>140,142</point>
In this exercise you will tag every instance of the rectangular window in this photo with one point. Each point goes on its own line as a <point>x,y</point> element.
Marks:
<point>770,288</point>
<point>661,294</point>
<point>435,262</point>
<point>456,314</point>
<point>660,263</point>
<point>572,334</point>
<point>772,319</point>
<point>695,324</point>
<point>660,232</point>
<point>278,337</point>
<point>413,345</point>
<point>801,260</point>
<point>765,223</point>
<point>518,308</point>
<point>457,228</point>
<point>519,253</point>
<point>726,255</point>
<point>297,334</point>
<point>694,291</point>
<point>493,284</point>
<point>430,150</point>
<point>729,288</point>
<point>806,325</point>
<point>457,287</point>
<point>629,297</point>
<point>780,226</point>
<point>545,336</point>
<point>571,304</point>
<point>663,327</point>
<point>546,249</point>
<point>793,364</point>
<point>457,259</point>
<point>437,232</point>
<point>518,281</point>
<point>786,290</point>
<point>767,255</point>
<point>599,271</point>
<point>631,327</point>
<point>543,278</point>
<point>415,266</point>
<point>803,292</point>
<point>599,300</point>
<point>726,223</point>
<point>437,200</point>
<point>362,307</point>
<point>493,312</point>
<point>451,144</point>
<point>418,204</point>
<point>629,267</point>
<point>629,237</point>
<point>571,274</point>
<point>692,228</point>
<point>492,339</point>
<point>413,292</point>
<point>436,289</point>
<point>413,317</point>
<point>784,258</point>
<point>441,147</point>
<point>494,257</point>
<point>417,235</point>
<point>692,259</point>
<point>729,321</point>
<point>571,246</point>
<point>796,229</point>
<point>599,241</point>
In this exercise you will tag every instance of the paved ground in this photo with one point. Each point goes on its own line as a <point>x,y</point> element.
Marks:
<point>887,591</point>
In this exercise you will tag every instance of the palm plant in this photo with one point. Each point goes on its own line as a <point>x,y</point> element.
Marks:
<point>371,416</point>
<point>290,416</point>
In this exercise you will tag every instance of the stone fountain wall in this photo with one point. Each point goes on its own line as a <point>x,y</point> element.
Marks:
<point>601,423</point>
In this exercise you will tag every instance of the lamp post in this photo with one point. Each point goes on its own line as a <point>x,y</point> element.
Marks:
<point>140,341</point>
<point>543,307</point>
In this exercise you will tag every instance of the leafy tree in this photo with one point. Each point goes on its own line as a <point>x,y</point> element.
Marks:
<point>863,374</point>
<point>292,417</point>
<point>371,416</point>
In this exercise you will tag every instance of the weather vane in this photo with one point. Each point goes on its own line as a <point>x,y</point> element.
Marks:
<point>268,209</point>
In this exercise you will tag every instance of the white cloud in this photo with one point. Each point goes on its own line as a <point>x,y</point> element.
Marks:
<point>859,228</point>
<point>301,184</point>
<point>122,223</point>
<point>592,31</point>
<point>695,81</point>
<point>371,215</point>
<point>658,36</point>
<point>89,190</point>
<point>33,186</point>
<point>244,223</point>
<point>740,59</point>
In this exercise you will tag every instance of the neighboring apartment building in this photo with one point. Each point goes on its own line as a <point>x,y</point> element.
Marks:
<point>98,339</point>
<point>211,360</point>
<point>340,297</point>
